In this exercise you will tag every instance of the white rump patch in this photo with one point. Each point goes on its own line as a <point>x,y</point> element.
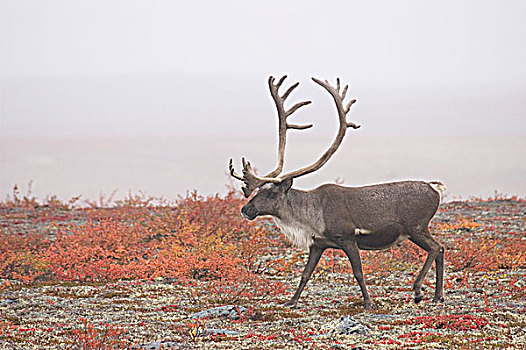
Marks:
<point>361,231</point>
<point>438,187</point>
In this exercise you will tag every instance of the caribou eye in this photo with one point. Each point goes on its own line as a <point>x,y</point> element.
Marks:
<point>272,195</point>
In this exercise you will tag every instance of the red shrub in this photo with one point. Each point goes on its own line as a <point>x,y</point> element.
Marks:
<point>480,253</point>
<point>200,239</point>
<point>20,256</point>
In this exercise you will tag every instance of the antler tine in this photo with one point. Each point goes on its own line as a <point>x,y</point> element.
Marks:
<point>249,174</point>
<point>344,93</point>
<point>347,109</point>
<point>335,93</point>
<point>250,180</point>
<point>296,107</point>
<point>289,90</point>
<point>278,85</point>
<point>342,115</point>
<point>338,99</point>
<point>233,171</point>
<point>298,127</point>
<point>280,100</point>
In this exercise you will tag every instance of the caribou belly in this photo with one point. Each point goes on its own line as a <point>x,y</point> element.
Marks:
<point>379,243</point>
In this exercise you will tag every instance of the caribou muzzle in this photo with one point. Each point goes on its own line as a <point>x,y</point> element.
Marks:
<point>249,211</point>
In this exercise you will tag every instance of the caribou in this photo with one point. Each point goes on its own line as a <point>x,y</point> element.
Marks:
<point>373,217</point>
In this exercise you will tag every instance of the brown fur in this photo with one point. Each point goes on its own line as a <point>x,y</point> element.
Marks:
<point>329,216</point>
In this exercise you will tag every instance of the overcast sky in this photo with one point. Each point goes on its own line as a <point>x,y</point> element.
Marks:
<point>441,90</point>
<point>159,67</point>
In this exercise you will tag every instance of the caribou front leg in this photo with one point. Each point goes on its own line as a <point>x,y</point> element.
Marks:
<point>353,254</point>
<point>315,253</point>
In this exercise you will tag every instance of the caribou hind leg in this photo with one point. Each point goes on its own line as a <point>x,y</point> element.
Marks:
<point>439,287</point>
<point>435,252</point>
<point>315,254</point>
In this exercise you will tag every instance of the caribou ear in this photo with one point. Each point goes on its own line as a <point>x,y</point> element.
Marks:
<point>246,191</point>
<point>285,185</point>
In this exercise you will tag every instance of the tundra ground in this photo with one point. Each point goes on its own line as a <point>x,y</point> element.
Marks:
<point>129,274</point>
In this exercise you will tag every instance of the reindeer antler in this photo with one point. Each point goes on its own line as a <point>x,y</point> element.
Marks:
<point>344,124</point>
<point>249,177</point>
<point>253,181</point>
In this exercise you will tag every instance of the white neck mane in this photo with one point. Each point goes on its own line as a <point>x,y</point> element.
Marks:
<point>299,235</point>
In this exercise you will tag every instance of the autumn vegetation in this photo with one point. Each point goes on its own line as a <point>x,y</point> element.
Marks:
<point>197,239</point>
<point>214,257</point>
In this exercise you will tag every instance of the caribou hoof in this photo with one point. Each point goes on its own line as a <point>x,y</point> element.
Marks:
<point>290,303</point>
<point>438,299</point>
<point>418,298</point>
<point>369,306</point>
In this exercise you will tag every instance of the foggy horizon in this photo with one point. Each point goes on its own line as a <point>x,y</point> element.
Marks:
<point>83,82</point>
<point>215,105</point>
